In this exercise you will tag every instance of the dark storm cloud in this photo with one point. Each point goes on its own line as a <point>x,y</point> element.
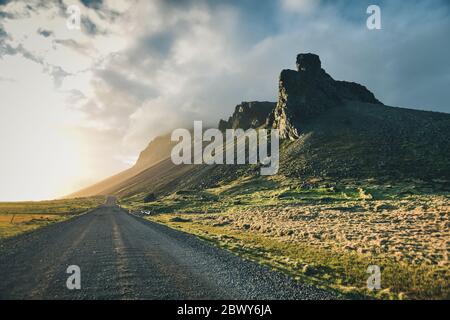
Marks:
<point>119,82</point>
<point>159,43</point>
<point>4,14</point>
<point>405,63</point>
<point>88,25</point>
<point>45,33</point>
<point>3,34</point>
<point>94,4</point>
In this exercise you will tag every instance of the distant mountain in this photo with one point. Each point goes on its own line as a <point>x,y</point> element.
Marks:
<point>158,149</point>
<point>331,130</point>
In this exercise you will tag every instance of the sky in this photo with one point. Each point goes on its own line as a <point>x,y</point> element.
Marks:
<point>77,106</point>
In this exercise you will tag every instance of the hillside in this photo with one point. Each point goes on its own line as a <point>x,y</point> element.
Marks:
<point>157,150</point>
<point>332,129</point>
<point>153,170</point>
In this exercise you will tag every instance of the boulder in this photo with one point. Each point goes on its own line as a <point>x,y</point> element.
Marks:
<point>150,197</point>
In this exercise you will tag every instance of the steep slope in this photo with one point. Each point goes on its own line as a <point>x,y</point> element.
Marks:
<point>153,170</point>
<point>157,150</point>
<point>361,140</point>
<point>333,130</point>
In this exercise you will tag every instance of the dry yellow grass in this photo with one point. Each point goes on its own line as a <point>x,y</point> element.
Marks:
<point>12,224</point>
<point>19,217</point>
<point>416,231</point>
<point>328,234</point>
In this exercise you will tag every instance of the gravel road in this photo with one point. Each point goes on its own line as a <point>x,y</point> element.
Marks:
<point>125,257</point>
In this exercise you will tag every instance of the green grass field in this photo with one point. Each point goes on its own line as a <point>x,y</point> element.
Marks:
<point>19,217</point>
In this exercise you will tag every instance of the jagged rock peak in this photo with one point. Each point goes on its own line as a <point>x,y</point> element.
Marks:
<point>248,115</point>
<point>308,92</point>
<point>308,62</point>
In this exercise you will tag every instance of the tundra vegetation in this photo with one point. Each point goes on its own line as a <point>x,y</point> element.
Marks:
<point>323,232</point>
<point>19,217</point>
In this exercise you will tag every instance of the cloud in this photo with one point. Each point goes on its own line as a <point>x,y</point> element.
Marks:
<point>82,48</point>
<point>95,4</point>
<point>88,26</point>
<point>300,6</point>
<point>45,33</point>
<point>58,74</point>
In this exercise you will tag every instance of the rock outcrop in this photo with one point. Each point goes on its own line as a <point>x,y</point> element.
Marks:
<point>248,115</point>
<point>308,92</point>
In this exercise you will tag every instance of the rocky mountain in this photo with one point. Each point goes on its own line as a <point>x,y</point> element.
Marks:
<point>308,92</point>
<point>248,115</point>
<point>333,131</point>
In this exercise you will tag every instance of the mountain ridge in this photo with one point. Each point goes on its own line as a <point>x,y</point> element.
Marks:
<point>331,129</point>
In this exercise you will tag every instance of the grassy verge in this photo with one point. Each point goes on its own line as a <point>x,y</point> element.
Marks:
<point>19,217</point>
<point>324,233</point>
<point>327,268</point>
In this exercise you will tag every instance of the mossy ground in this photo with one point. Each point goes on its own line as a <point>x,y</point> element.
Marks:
<point>321,231</point>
